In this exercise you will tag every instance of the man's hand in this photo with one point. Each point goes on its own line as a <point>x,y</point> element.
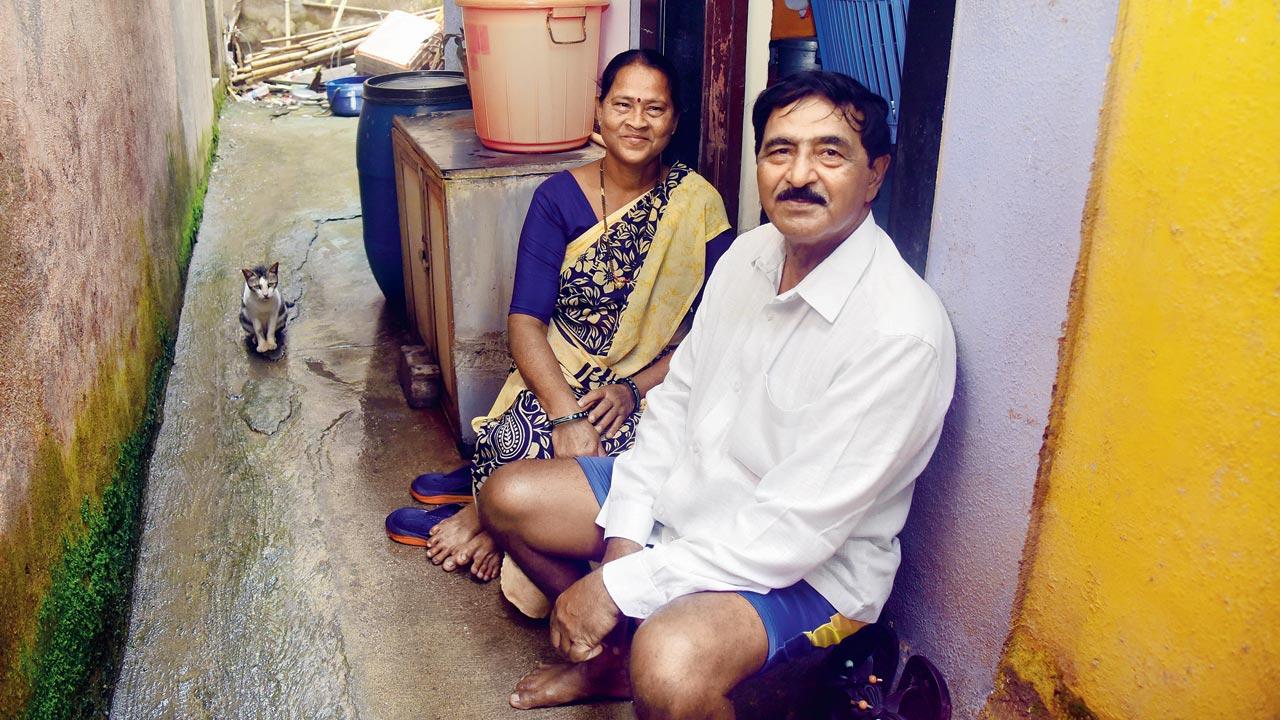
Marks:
<point>582,617</point>
<point>610,406</point>
<point>575,439</point>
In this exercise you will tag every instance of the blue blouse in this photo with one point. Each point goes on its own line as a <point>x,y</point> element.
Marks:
<point>559,213</point>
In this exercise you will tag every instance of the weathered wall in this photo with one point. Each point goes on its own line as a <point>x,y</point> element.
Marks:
<point>261,19</point>
<point>1150,587</point>
<point>1019,129</point>
<point>615,30</point>
<point>106,116</point>
<point>215,20</point>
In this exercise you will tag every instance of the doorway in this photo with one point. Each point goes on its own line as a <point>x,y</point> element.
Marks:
<point>708,40</point>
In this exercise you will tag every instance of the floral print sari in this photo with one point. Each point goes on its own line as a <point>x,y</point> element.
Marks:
<point>623,295</point>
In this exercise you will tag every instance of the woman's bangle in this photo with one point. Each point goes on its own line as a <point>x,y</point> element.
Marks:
<point>556,422</point>
<point>635,391</point>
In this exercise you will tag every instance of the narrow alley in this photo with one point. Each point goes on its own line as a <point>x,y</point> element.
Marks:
<point>1067,501</point>
<point>265,585</point>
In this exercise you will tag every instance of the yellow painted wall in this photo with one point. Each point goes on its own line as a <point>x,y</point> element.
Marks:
<point>1151,579</point>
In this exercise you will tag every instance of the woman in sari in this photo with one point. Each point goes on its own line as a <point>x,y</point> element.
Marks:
<point>611,261</point>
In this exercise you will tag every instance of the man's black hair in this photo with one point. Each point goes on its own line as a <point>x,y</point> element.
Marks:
<point>646,58</point>
<point>840,90</point>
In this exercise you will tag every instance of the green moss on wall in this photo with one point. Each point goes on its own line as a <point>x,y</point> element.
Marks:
<point>80,629</point>
<point>66,565</point>
<point>72,488</point>
<point>62,478</point>
<point>195,210</point>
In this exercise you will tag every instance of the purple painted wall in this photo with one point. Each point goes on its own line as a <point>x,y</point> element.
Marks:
<point>1022,112</point>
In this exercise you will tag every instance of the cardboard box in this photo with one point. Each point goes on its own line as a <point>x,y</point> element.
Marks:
<point>398,44</point>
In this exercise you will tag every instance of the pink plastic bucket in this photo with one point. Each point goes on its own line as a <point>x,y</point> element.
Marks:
<point>531,68</point>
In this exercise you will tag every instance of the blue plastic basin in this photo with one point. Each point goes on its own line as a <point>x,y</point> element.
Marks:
<point>346,95</point>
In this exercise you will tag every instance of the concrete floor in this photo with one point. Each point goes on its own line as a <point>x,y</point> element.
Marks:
<point>266,587</point>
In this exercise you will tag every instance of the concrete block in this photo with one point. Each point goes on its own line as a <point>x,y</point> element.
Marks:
<point>419,376</point>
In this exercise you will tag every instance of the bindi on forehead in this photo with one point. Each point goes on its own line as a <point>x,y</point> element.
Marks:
<point>623,97</point>
<point>635,81</point>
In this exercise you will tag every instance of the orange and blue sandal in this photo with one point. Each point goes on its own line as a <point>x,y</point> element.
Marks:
<point>441,488</point>
<point>412,525</point>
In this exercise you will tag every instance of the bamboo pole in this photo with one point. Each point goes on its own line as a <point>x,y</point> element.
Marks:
<point>276,69</point>
<point>277,58</point>
<point>317,33</point>
<point>327,38</point>
<point>350,8</point>
<point>260,76</point>
<point>257,74</point>
<point>330,51</point>
<point>433,14</point>
<point>341,35</point>
<point>306,50</point>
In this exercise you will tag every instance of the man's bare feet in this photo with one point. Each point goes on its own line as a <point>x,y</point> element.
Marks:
<point>562,683</point>
<point>458,541</point>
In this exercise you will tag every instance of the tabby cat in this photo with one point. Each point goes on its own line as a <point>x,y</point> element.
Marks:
<point>262,310</point>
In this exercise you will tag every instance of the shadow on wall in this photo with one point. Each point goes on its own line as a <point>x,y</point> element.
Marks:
<point>952,593</point>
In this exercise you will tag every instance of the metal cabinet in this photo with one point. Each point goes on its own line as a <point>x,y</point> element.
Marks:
<point>461,210</point>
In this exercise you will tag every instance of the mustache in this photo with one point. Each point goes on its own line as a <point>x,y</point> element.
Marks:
<point>801,194</point>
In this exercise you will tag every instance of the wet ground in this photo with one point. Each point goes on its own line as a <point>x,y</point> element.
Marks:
<point>266,587</point>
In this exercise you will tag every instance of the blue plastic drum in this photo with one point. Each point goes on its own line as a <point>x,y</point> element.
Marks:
<point>385,97</point>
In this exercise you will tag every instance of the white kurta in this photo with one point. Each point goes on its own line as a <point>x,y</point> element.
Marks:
<point>785,441</point>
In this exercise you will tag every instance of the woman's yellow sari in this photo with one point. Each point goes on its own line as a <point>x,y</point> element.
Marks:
<point>622,298</point>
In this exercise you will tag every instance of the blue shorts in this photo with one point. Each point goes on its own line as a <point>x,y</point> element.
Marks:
<point>792,616</point>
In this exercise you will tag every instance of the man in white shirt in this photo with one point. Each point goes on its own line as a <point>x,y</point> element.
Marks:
<point>759,509</point>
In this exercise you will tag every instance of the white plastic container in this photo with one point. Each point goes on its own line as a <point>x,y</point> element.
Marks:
<point>531,68</point>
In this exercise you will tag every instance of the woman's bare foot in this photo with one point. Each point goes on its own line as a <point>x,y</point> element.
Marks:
<point>483,555</point>
<point>561,683</point>
<point>452,534</point>
<point>458,541</point>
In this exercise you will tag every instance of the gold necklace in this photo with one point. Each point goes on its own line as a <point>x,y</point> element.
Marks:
<point>604,223</point>
<point>604,210</point>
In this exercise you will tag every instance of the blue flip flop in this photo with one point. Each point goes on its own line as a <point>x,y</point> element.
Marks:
<point>412,525</point>
<point>441,488</point>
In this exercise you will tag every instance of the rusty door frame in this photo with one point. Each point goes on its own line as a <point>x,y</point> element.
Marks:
<point>724,78</point>
<point>724,55</point>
